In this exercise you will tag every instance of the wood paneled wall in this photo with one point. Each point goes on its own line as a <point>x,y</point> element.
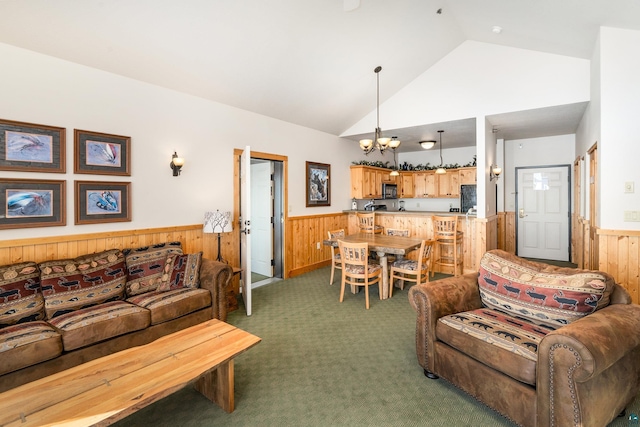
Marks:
<point>60,247</point>
<point>619,255</point>
<point>507,231</point>
<point>305,233</point>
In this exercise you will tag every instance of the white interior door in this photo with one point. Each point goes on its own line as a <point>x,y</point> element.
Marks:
<point>245,227</point>
<point>261,218</point>
<point>543,212</point>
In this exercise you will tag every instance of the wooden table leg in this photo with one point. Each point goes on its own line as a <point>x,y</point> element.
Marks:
<point>385,274</point>
<point>217,386</point>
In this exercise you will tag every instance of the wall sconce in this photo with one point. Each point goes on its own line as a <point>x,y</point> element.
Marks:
<point>176,163</point>
<point>494,172</point>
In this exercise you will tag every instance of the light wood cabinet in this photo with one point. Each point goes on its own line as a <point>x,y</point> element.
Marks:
<point>425,184</point>
<point>448,185</point>
<point>405,185</point>
<point>366,181</point>
<point>467,176</point>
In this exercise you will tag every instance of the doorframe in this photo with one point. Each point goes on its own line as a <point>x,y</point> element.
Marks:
<point>569,205</point>
<point>237,152</point>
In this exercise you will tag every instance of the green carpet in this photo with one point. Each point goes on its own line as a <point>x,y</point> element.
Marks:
<point>323,363</point>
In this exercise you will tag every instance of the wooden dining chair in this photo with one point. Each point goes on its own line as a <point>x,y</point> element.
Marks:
<point>396,232</point>
<point>357,270</point>
<point>336,262</point>
<point>402,232</point>
<point>448,240</point>
<point>367,223</point>
<point>413,271</point>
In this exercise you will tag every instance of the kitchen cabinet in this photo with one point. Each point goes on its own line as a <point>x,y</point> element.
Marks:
<point>467,176</point>
<point>405,185</point>
<point>366,181</point>
<point>425,184</point>
<point>448,184</point>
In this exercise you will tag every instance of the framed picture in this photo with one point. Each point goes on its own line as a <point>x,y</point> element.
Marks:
<point>102,202</point>
<point>101,153</point>
<point>32,203</point>
<point>29,147</point>
<point>318,185</point>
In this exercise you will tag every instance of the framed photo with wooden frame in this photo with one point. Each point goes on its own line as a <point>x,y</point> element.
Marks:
<point>27,147</point>
<point>318,184</point>
<point>98,202</point>
<point>101,153</point>
<point>26,203</point>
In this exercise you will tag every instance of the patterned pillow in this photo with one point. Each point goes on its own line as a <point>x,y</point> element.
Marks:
<point>145,266</point>
<point>547,298</point>
<point>72,284</point>
<point>182,271</point>
<point>20,295</point>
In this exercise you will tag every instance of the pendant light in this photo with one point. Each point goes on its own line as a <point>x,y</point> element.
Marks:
<point>441,169</point>
<point>379,142</point>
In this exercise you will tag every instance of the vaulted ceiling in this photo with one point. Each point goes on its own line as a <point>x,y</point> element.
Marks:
<point>308,62</point>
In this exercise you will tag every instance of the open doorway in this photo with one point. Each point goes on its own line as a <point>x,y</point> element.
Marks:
<point>276,192</point>
<point>267,218</point>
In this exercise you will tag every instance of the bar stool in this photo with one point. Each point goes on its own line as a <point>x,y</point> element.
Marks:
<point>367,223</point>
<point>448,243</point>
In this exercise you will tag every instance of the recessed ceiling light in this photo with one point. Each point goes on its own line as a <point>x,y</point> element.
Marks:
<point>496,29</point>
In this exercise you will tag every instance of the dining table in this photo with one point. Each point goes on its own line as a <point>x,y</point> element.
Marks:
<point>383,246</point>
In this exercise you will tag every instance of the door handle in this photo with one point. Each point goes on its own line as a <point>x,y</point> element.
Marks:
<point>521,214</point>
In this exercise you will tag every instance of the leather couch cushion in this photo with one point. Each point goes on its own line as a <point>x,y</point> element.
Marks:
<point>26,344</point>
<point>502,342</point>
<point>146,266</point>
<point>20,295</point>
<point>183,271</point>
<point>73,284</point>
<point>84,327</point>
<point>549,297</point>
<point>165,306</point>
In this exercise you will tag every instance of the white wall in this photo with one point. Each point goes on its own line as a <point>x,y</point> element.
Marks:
<point>45,90</point>
<point>478,79</point>
<point>548,151</point>
<point>619,149</point>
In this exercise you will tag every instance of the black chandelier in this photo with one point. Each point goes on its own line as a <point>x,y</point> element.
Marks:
<point>378,142</point>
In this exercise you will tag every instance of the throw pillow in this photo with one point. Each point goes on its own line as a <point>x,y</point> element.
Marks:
<point>544,297</point>
<point>72,284</point>
<point>145,266</point>
<point>181,271</point>
<point>20,295</point>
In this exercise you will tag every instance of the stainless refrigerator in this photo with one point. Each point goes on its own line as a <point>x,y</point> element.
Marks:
<point>467,197</point>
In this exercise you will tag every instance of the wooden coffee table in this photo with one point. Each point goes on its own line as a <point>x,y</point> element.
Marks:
<point>108,389</point>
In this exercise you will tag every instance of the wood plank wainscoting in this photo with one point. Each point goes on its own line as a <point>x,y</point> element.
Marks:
<point>40,249</point>
<point>507,231</point>
<point>618,255</point>
<point>305,233</point>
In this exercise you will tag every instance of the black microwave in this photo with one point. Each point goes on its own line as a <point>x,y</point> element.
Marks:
<point>389,191</point>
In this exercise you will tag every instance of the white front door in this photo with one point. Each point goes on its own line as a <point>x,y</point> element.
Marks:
<point>245,227</point>
<point>542,212</point>
<point>261,218</point>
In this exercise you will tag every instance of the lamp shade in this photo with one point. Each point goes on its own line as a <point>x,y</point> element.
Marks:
<point>217,222</point>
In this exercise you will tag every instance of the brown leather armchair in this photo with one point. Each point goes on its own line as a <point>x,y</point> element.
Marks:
<point>584,373</point>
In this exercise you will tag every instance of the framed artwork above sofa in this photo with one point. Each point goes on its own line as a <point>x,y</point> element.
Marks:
<point>98,202</point>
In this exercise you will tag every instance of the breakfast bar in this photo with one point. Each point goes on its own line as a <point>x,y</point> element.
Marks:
<point>420,227</point>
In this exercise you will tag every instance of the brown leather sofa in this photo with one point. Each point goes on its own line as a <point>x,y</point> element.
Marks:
<point>42,342</point>
<point>579,366</point>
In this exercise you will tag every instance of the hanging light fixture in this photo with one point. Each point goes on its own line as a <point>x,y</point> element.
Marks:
<point>441,169</point>
<point>427,145</point>
<point>379,142</point>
